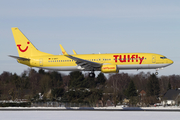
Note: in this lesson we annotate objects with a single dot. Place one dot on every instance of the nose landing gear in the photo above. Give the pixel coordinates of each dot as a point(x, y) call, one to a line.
point(156, 73)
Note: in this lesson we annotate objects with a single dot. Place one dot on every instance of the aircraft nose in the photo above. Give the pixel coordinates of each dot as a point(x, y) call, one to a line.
point(170, 61)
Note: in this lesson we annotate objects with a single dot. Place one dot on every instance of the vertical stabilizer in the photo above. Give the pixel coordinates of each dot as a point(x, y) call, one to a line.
point(24, 47)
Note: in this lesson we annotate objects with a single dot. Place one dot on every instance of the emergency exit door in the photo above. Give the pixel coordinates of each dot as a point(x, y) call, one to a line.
point(153, 59)
point(41, 62)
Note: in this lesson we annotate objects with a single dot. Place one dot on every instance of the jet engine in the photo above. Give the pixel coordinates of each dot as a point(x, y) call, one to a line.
point(109, 69)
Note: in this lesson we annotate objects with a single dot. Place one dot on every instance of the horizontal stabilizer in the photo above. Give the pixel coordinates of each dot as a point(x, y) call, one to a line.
point(19, 58)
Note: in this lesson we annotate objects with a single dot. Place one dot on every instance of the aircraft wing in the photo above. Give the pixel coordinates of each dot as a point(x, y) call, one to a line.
point(84, 63)
point(19, 58)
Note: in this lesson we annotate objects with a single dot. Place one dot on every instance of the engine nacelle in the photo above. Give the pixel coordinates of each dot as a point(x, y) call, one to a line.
point(109, 69)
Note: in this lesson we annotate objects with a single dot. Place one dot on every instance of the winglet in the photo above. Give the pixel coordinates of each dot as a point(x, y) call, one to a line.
point(63, 50)
point(74, 52)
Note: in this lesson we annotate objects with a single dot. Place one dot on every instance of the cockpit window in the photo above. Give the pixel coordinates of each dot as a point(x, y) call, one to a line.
point(163, 57)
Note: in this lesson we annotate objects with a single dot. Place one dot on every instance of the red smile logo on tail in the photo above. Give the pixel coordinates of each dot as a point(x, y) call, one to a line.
point(19, 46)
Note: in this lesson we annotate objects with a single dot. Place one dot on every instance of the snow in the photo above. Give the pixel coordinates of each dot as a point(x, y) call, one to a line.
point(88, 115)
point(120, 108)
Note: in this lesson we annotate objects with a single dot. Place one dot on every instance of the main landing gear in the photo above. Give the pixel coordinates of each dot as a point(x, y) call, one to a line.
point(92, 75)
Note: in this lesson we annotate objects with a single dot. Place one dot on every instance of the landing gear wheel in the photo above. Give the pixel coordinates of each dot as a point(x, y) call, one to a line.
point(91, 75)
point(156, 73)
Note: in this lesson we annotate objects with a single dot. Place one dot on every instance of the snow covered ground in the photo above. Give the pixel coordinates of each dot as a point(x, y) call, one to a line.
point(88, 115)
point(118, 108)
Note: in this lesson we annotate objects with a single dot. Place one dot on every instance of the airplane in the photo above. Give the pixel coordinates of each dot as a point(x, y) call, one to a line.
point(106, 63)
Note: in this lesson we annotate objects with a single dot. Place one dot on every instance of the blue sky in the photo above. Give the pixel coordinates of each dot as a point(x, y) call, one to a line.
point(92, 26)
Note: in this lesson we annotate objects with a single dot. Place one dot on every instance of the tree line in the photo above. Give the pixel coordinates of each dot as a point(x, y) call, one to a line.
point(79, 88)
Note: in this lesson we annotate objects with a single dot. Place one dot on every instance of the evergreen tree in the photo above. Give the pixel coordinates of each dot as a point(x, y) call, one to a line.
point(56, 79)
point(57, 92)
point(131, 91)
point(101, 79)
point(76, 79)
point(169, 85)
point(41, 71)
point(89, 82)
point(153, 88)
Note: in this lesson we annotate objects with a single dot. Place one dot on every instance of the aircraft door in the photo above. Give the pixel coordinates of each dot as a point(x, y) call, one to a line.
point(153, 59)
point(41, 62)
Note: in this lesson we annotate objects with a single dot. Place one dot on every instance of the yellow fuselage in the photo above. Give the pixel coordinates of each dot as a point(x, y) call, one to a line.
point(122, 60)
